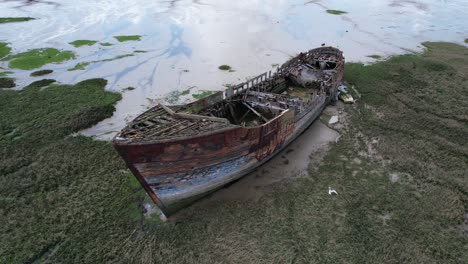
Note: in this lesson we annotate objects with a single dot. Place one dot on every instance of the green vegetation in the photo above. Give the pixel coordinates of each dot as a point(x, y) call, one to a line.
point(5, 73)
point(6, 82)
point(4, 49)
point(106, 44)
point(14, 19)
point(224, 67)
point(41, 83)
point(140, 51)
point(128, 38)
point(336, 12)
point(36, 58)
point(399, 168)
point(375, 56)
point(41, 73)
point(130, 88)
point(274, 65)
point(84, 64)
point(203, 94)
point(80, 66)
point(466, 40)
point(83, 42)
point(52, 184)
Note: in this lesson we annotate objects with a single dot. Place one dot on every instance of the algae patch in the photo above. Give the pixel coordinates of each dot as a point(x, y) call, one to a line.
point(80, 66)
point(375, 56)
point(128, 38)
point(14, 19)
point(41, 83)
point(36, 58)
point(225, 67)
point(40, 73)
point(82, 42)
point(5, 73)
point(336, 12)
point(4, 49)
point(106, 44)
point(84, 64)
point(6, 82)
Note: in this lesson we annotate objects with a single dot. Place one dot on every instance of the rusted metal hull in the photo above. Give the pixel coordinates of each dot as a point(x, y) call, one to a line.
point(213, 161)
point(175, 171)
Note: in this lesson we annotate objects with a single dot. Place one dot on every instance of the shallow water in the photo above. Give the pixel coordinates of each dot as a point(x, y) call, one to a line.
point(187, 40)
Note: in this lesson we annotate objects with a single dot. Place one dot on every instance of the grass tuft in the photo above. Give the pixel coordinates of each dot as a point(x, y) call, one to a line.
point(40, 73)
point(224, 67)
point(128, 38)
point(375, 56)
point(4, 49)
point(36, 58)
point(40, 83)
point(6, 82)
point(14, 19)
point(82, 42)
point(336, 12)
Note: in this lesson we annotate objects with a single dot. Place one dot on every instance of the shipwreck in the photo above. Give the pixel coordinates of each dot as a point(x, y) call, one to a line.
point(181, 153)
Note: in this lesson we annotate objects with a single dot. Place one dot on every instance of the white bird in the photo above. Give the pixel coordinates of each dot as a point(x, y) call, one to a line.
point(332, 191)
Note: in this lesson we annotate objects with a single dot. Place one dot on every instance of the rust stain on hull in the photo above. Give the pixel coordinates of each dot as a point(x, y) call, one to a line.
point(181, 153)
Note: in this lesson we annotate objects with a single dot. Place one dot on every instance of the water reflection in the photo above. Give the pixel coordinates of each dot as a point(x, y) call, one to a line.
point(185, 41)
point(23, 3)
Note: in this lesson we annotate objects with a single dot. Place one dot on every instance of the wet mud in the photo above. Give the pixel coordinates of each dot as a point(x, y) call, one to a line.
point(184, 49)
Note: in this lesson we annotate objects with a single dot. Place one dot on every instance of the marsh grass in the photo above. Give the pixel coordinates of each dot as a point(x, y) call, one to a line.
point(4, 49)
point(375, 56)
point(7, 82)
point(36, 58)
point(336, 12)
point(225, 67)
point(40, 73)
point(82, 65)
point(128, 38)
point(399, 167)
point(14, 19)
point(5, 73)
point(82, 42)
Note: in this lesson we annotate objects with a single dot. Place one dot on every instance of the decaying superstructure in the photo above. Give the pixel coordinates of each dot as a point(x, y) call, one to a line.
point(181, 153)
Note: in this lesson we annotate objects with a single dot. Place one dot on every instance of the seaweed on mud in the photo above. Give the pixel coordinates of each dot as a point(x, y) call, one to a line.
point(36, 58)
point(4, 49)
point(82, 42)
point(6, 82)
point(128, 38)
point(224, 67)
point(40, 73)
point(4, 20)
point(41, 83)
point(336, 12)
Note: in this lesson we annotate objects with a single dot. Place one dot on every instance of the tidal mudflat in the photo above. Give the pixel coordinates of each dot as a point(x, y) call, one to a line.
point(399, 164)
point(399, 168)
point(185, 49)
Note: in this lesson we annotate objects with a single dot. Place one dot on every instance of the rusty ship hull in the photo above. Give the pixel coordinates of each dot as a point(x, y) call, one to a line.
point(182, 153)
